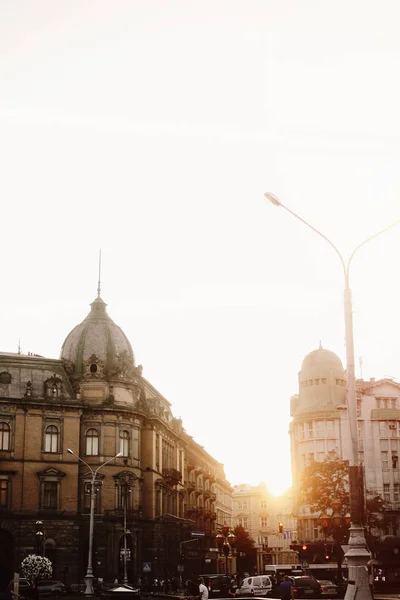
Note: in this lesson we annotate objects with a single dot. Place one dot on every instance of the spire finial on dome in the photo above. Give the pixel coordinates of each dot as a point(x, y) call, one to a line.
point(99, 282)
point(320, 345)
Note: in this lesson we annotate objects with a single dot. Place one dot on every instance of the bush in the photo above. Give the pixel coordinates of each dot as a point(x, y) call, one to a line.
point(36, 567)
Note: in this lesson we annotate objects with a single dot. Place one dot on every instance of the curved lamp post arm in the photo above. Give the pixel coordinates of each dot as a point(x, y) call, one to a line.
point(274, 200)
point(81, 460)
point(371, 237)
point(106, 463)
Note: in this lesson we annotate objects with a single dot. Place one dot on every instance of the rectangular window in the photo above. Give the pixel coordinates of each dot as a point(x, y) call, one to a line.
point(157, 451)
point(240, 522)
point(263, 504)
point(263, 521)
point(240, 505)
point(384, 445)
point(308, 430)
point(320, 429)
point(386, 492)
point(245, 522)
point(330, 431)
point(396, 492)
point(50, 494)
point(136, 443)
point(244, 504)
point(4, 493)
point(4, 436)
point(383, 429)
point(385, 460)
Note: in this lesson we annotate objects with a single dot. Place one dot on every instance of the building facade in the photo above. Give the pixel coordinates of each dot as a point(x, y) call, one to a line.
point(269, 520)
point(320, 427)
point(95, 402)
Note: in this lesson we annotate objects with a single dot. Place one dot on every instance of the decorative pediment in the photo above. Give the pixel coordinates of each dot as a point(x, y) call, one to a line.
point(51, 473)
point(126, 477)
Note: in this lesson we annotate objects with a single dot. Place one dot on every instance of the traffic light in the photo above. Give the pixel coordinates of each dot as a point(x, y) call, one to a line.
point(182, 556)
point(280, 527)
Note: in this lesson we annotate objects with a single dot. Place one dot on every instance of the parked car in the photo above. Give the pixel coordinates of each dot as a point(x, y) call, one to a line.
point(27, 588)
point(305, 586)
point(328, 588)
point(218, 585)
point(51, 588)
point(258, 585)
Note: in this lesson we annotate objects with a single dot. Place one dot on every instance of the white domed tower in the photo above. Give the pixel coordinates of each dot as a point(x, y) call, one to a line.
point(322, 383)
point(99, 359)
point(319, 424)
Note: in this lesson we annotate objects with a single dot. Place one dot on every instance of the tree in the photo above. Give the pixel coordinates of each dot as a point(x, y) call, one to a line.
point(36, 567)
point(245, 551)
point(324, 487)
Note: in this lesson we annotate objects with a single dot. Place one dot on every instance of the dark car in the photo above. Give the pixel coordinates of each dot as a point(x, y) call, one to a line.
point(27, 588)
point(51, 588)
point(218, 585)
point(305, 586)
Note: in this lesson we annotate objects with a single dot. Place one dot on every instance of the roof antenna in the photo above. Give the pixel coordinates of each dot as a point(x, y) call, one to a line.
point(320, 345)
point(19, 345)
point(99, 282)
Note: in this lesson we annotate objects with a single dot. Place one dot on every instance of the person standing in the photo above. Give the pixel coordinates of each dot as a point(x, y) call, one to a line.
point(286, 589)
point(203, 590)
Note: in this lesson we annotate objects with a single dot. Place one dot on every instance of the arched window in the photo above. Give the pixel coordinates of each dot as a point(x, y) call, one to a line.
point(4, 436)
point(124, 443)
point(51, 439)
point(92, 442)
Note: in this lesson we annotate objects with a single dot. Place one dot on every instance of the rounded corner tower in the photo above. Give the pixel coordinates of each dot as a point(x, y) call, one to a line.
point(322, 382)
point(98, 357)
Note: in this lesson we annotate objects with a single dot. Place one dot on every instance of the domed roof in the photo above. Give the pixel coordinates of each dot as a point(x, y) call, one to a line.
point(98, 348)
point(321, 360)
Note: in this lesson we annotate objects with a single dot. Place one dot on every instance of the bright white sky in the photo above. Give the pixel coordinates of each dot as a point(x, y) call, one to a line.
point(152, 129)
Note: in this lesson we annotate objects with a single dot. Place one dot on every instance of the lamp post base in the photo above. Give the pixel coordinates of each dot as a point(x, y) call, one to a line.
point(358, 556)
point(89, 585)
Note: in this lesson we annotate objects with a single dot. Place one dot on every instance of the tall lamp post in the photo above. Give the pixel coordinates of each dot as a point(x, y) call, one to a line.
point(126, 491)
point(225, 541)
point(358, 553)
point(40, 538)
point(89, 572)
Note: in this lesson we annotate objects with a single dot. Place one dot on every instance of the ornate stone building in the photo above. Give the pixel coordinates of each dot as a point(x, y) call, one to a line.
point(262, 516)
point(95, 401)
point(320, 426)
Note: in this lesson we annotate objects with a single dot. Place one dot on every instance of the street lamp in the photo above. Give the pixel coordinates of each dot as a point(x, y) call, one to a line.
point(89, 572)
point(40, 538)
point(225, 542)
point(358, 553)
point(126, 491)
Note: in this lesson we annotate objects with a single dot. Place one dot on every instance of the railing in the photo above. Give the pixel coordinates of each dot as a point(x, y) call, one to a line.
point(172, 475)
point(119, 512)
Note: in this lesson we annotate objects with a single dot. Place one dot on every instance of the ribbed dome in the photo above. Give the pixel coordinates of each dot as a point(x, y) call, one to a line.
point(98, 348)
point(321, 360)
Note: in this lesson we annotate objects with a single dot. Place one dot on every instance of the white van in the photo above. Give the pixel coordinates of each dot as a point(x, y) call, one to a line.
point(258, 585)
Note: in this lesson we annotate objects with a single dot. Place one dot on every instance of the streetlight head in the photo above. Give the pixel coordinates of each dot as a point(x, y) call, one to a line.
point(69, 451)
point(119, 454)
point(272, 198)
